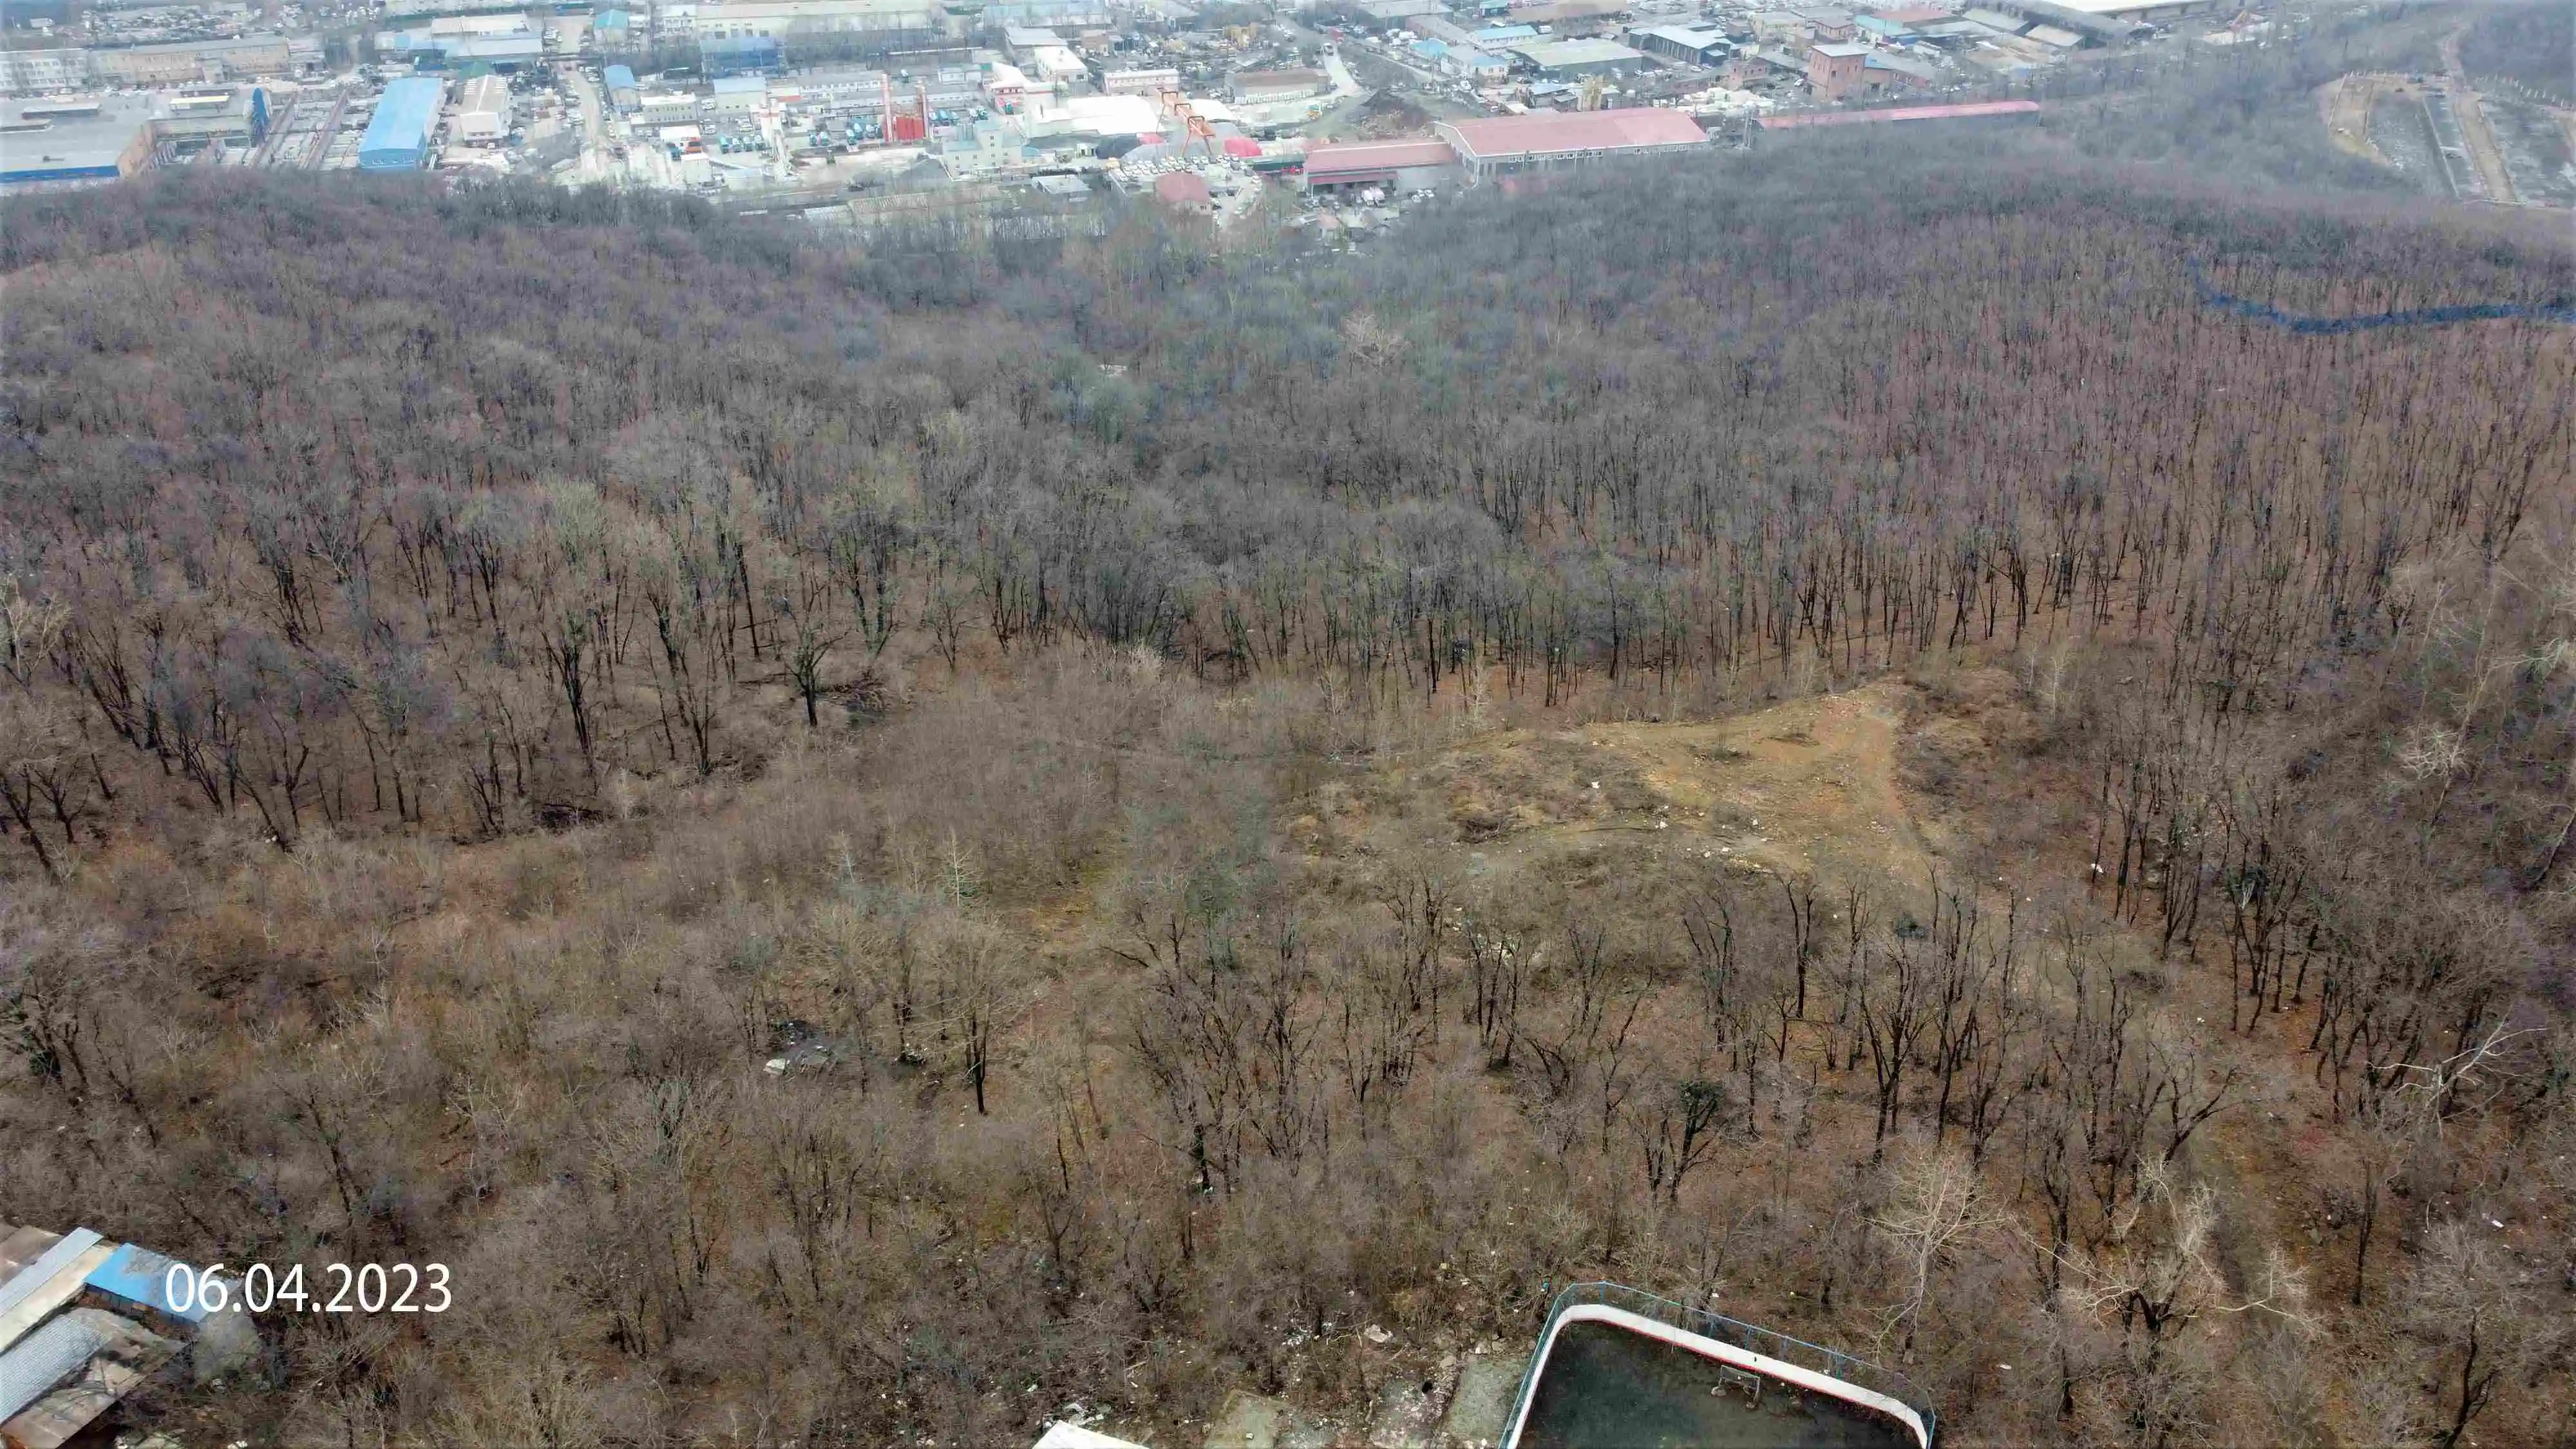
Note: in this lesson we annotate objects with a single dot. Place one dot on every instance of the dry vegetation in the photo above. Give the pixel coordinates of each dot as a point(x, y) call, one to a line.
point(1853, 755)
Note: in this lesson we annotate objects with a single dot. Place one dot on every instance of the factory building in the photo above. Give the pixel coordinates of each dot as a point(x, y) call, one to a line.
point(188, 120)
point(1394, 165)
point(1141, 82)
point(482, 114)
point(622, 92)
point(42, 72)
point(1565, 60)
point(397, 139)
point(1504, 145)
point(1689, 44)
point(192, 62)
point(504, 42)
point(57, 143)
point(1835, 73)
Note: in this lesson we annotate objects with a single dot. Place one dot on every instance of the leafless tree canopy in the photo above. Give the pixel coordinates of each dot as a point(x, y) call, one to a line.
point(822, 822)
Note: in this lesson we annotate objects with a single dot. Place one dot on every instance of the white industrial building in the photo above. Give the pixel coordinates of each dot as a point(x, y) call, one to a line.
point(774, 19)
point(482, 114)
point(1151, 82)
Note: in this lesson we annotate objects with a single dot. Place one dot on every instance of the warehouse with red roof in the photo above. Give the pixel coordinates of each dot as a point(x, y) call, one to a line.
point(1501, 145)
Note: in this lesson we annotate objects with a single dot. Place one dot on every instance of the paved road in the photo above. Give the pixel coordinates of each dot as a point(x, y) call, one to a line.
point(594, 139)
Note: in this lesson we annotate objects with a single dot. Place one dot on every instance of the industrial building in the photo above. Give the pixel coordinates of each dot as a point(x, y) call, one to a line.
point(47, 144)
point(1503, 145)
point(482, 114)
point(1574, 59)
point(1689, 44)
point(42, 72)
point(192, 62)
point(1263, 87)
point(1835, 73)
point(188, 120)
point(86, 140)
point(1141, 82)
point(397, 139)
point(453, 41)
point(737, 95)
point(622, 92)
point(1395, 165)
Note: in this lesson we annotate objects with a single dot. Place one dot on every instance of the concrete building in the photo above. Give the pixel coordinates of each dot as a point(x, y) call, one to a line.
point(1056, 65)
point(737, 95)
point(1141, 82)
point(482, 114)
point(1826, 23)
point(1689, 44)
point(397, 139)
point(1503, 145)
point(46, 144)
point(1395, 165)
point(191, 62)
point(1835, 72)
point(1264, 87)
point(187, 120)
point(666, 108)
point(1565, 60)
point(42, 72)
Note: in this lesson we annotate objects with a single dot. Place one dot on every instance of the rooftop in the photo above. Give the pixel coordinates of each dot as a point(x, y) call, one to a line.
point(1548, 54)
point(1505, 137)
point(84, 1322)
point(1324, 162)
point(1964, 111)
point(68, 135)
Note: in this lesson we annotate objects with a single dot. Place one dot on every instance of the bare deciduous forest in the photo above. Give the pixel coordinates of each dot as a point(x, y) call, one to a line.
point(1808, 731)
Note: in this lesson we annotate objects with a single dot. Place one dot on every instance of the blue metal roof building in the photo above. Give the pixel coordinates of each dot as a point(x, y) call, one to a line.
point(398, 138)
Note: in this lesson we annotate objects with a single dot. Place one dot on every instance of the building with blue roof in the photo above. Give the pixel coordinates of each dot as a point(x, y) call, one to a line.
point(623, 94)
point(398, 138)
point(1505, 34)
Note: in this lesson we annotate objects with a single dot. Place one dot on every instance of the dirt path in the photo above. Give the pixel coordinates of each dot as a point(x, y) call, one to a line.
point(2343, 104)
point(2473, 124)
